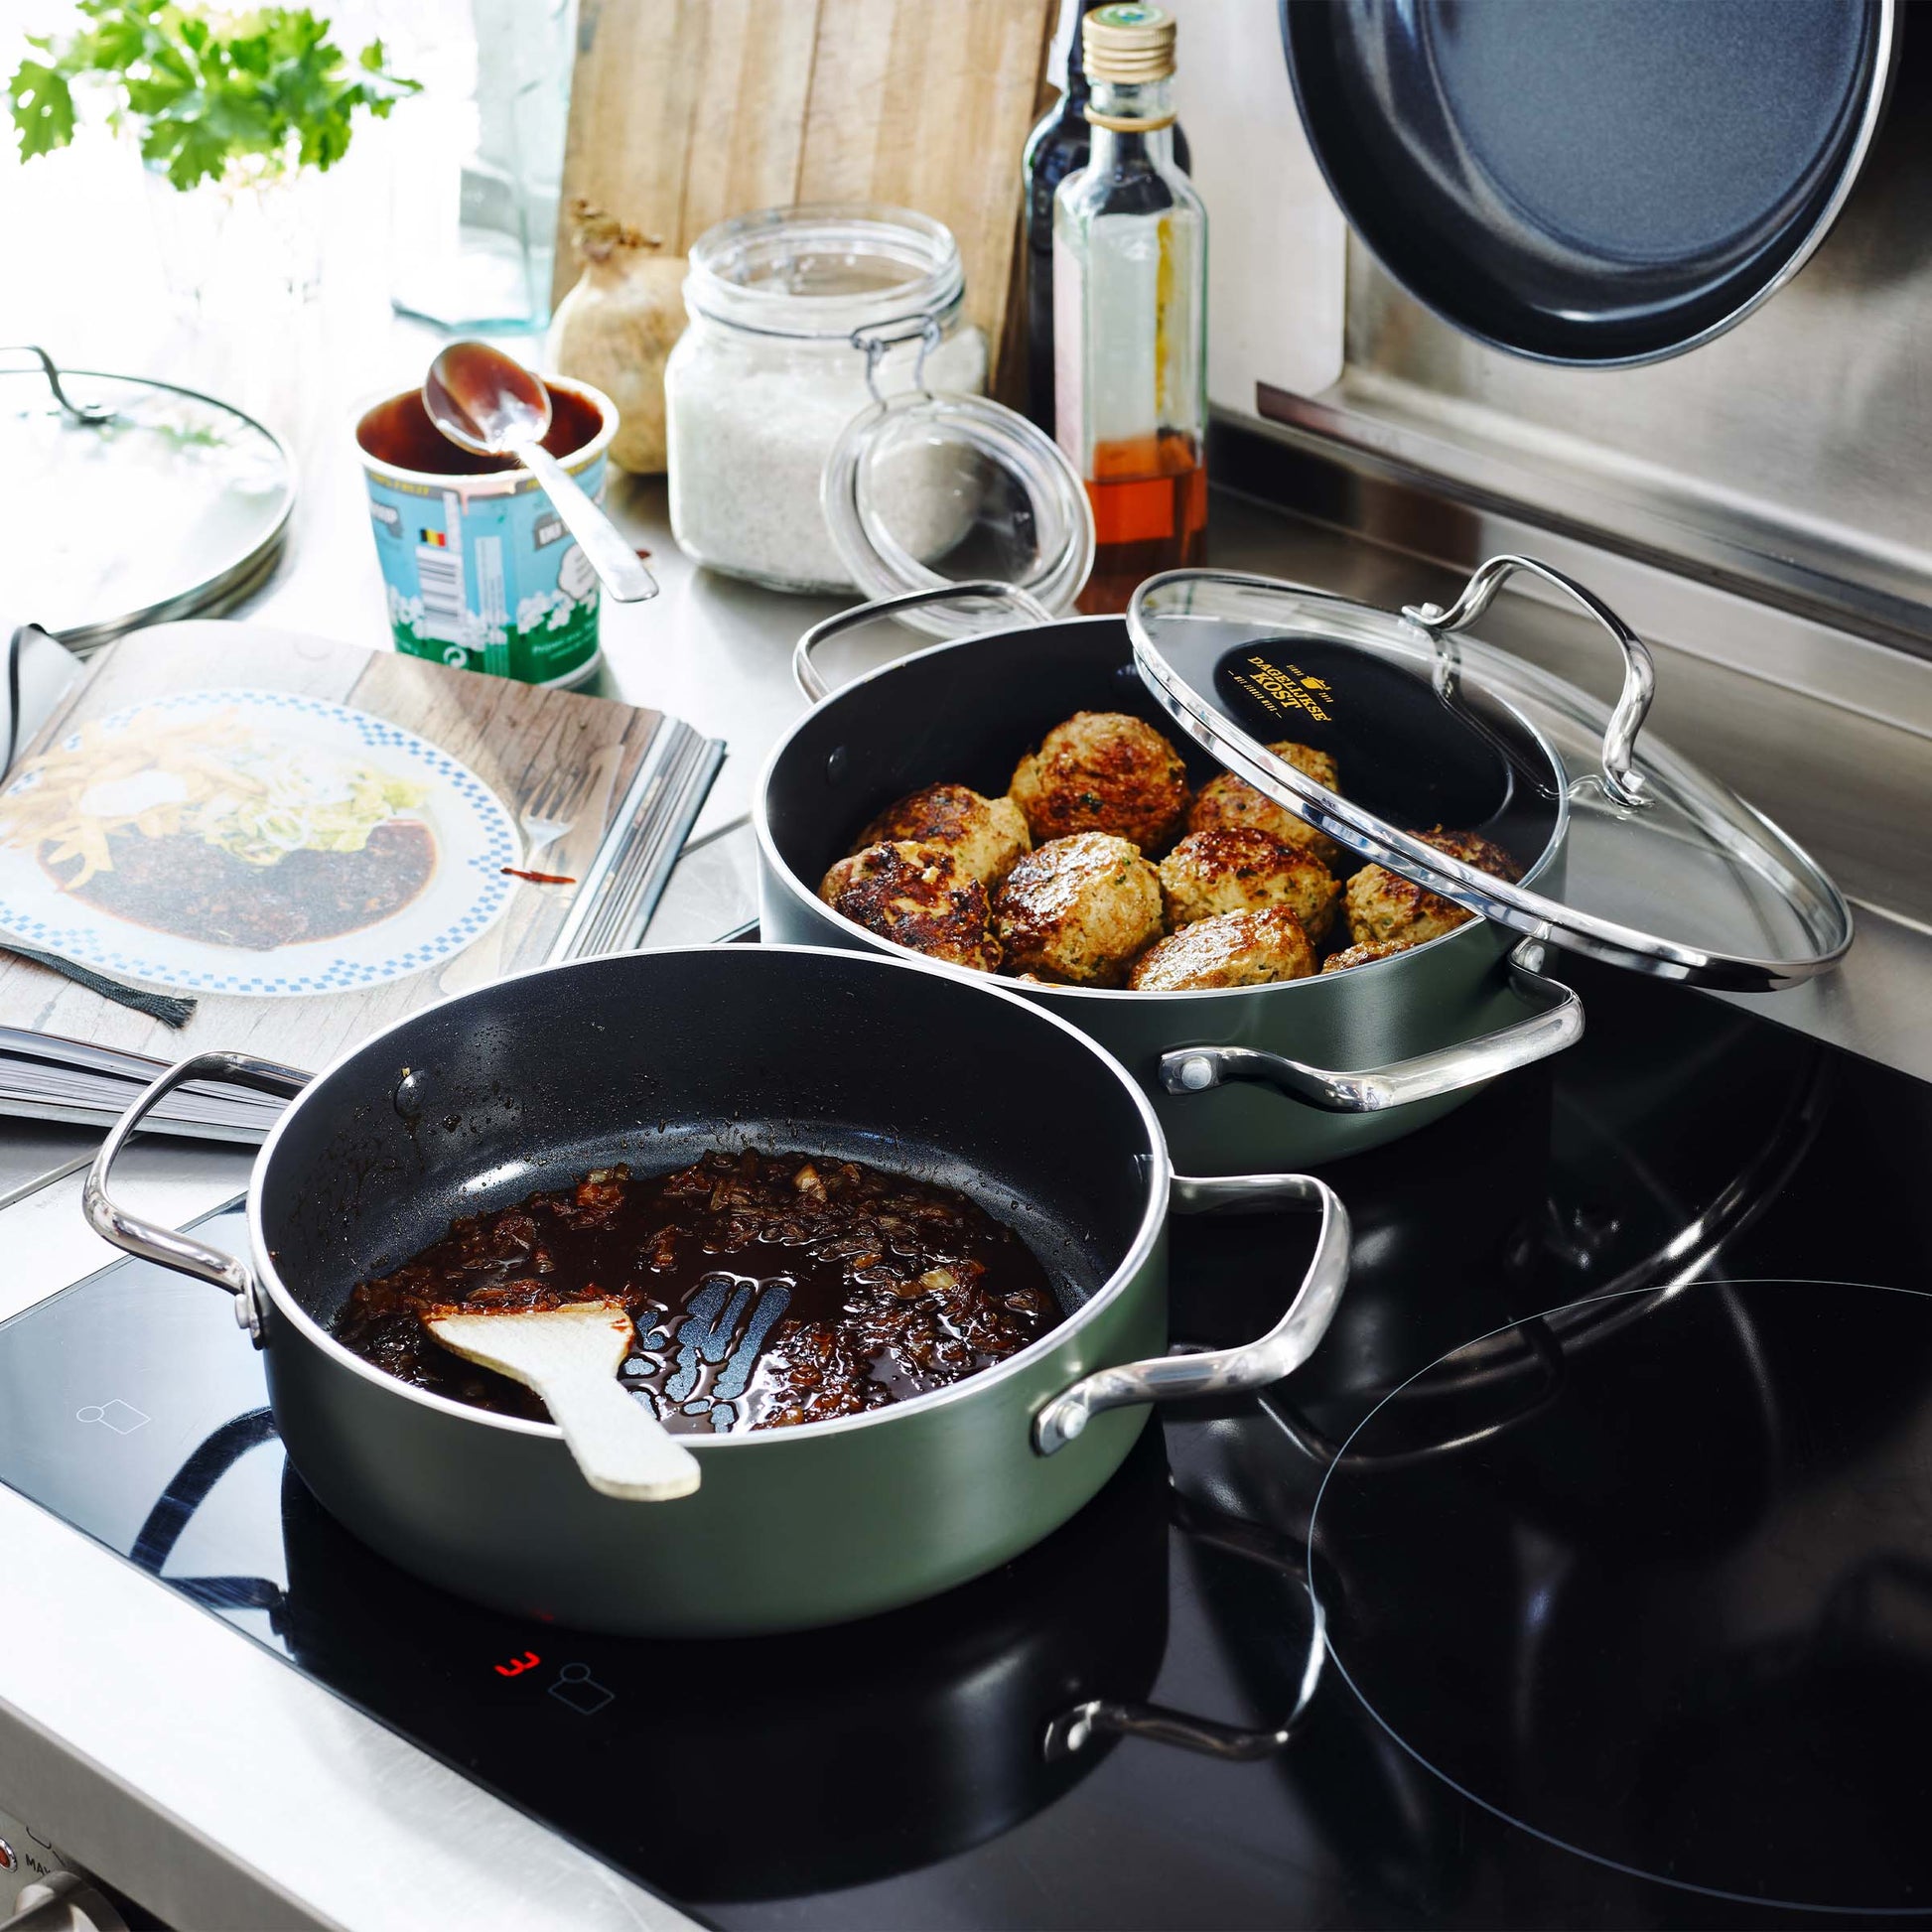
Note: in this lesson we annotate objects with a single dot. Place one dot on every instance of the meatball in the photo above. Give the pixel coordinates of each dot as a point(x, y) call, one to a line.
point(984, 835)
point(1382, 905)
point(1230, 949)
point(1077, 910)
point(1483, 854)
point(1228, 802)
point(1102, 772)
point(1366, 955)
point(915, 895)
point(1317, 766)
point(1242, 869)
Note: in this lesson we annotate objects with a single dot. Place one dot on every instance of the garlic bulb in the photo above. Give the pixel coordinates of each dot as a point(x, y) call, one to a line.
point(615, 329)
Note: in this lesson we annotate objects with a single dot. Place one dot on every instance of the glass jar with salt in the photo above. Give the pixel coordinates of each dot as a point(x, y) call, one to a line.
point(801, 320)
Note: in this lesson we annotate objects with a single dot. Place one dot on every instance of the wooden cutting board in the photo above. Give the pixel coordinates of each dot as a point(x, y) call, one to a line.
point(686, 111)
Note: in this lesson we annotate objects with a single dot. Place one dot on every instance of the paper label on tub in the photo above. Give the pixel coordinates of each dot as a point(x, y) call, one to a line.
point(491, 582)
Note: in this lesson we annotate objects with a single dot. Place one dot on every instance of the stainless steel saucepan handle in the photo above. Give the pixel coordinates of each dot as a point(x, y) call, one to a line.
point(1639, 674)
point(1369, 1089)
point(1221, 1371)
point(171, 1246)
point(805, 674)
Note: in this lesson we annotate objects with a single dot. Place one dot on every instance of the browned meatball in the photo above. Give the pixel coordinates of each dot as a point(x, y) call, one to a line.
point(1078, 909)
point(1102, 772)
point(1231, 949)
point(1382, 905)
point(1305, 757)
point(984, 835)
point(915, 895)
point(1341, 962)
point(1226, 802)
point(1474, 850)
point(1242, 869)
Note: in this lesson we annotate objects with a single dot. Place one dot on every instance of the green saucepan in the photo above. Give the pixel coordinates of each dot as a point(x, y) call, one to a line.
point(653, 1058)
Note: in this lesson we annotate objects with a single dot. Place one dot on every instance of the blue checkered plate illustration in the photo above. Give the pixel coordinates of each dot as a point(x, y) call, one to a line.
point(254, 842)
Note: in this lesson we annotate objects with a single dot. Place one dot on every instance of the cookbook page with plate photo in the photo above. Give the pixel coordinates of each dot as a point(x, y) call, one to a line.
point(309, 840)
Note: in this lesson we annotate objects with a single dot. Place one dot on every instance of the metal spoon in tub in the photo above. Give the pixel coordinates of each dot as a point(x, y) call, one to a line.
point(490, 404)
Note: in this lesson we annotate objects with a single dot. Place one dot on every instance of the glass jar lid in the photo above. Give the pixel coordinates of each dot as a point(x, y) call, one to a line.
point(1661, 868)
point(926, 490)
point(820, 270)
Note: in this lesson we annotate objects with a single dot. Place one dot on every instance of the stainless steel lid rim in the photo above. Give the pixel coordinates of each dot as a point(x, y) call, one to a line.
point(1666, 800)
point(1389, 845)
point(1403, 852)
point(250, 558)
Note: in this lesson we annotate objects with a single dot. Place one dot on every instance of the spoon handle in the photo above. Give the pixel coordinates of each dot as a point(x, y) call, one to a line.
point(614, 560)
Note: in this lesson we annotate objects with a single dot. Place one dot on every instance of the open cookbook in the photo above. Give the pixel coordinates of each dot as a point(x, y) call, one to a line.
point(309, 840)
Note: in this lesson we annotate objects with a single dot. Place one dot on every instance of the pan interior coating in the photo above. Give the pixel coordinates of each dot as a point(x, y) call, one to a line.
point(657, 1059)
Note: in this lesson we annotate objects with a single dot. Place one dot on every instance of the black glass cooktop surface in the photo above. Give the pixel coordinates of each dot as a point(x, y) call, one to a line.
point(1614, 1480)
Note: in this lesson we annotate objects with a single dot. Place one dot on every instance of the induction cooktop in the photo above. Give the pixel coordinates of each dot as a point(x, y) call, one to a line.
point(1584, 1577)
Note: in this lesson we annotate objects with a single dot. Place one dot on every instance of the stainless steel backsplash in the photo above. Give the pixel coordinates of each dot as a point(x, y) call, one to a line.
point(1790, 460)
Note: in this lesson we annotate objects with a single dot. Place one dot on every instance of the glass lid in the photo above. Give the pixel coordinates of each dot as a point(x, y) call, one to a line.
point(930, 488)
point(1650, 864)
point(126, 500)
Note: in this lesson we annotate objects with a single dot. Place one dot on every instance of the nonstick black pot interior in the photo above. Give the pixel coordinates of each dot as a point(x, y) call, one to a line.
point(963, 716)
point(655, 1058)
point(967, 714)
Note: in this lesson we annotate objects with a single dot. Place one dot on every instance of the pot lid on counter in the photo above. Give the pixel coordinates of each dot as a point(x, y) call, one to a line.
point(127, 501)
point(1664, 870)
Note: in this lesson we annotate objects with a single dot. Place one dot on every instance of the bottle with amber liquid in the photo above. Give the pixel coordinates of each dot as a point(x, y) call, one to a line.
point(1130, 313)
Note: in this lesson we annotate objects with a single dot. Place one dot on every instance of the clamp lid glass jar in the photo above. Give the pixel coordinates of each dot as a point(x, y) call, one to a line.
point(799, 317)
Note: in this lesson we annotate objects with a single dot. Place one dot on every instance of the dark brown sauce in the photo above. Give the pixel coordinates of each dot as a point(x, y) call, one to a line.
point(766, 1289)
point(180, 883)
point(399, 432)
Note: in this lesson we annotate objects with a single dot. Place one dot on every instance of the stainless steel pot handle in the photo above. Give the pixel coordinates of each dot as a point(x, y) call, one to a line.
point(1368, 1090)
point(171, 1246)
point(1072, 1730)
point(805, 674)
point(1221, 1371)
point(1639, 674)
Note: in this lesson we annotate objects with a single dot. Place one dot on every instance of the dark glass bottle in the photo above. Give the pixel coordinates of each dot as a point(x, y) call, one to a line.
point(1059, 146)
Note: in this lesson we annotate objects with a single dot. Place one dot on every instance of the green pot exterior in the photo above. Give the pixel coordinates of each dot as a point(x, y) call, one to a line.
point(1412, 1004)
point(964, 709)
point(790, 1528)
point(1453, 990)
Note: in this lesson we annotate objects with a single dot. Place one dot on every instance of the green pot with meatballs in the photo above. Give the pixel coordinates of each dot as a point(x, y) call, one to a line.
point(1295, 860)
point(1017, 805)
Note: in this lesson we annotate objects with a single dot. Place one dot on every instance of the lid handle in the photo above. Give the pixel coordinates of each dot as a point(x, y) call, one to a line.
point(1639, 674)
point(90, 414)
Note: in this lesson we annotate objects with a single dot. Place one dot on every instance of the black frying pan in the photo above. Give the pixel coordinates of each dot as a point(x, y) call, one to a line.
point(1595, 182)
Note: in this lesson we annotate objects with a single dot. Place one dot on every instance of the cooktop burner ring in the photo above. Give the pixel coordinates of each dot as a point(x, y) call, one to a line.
point(1327, 1579)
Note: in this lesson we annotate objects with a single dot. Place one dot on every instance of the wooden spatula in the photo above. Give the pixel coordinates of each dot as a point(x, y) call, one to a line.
point(570, 1357)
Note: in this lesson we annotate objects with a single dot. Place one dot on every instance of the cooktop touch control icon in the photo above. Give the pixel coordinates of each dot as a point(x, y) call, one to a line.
point(576, 1687)
point(121, 1417)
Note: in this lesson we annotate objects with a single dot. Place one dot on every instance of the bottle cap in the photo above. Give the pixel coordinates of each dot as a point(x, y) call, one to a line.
point(1128, 43)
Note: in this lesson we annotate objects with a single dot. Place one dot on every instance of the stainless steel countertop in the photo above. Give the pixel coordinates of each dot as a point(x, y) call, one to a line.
point(266, 1800)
